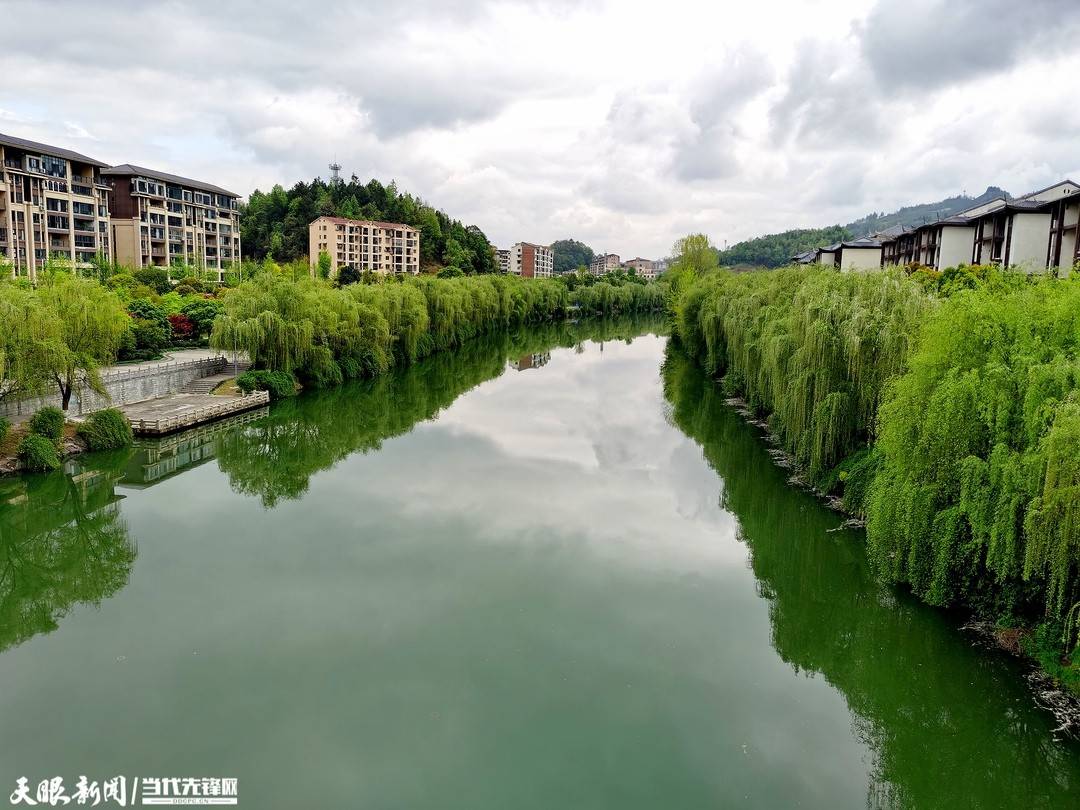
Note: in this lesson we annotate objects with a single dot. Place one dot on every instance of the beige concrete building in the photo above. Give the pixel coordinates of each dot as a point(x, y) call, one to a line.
point(382, 247)
point(645, 268)
point(53, 204)
point(852, 255)
point(164, 220)
point(603, 264)
point(531, 261)
point(502, 260)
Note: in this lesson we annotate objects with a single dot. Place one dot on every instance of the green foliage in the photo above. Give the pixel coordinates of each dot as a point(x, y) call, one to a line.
point(106, 430)
point(156, 278)
point(980, 447)
point(276, 223)
point(5, 428)
point(38, 454)
point(569, 254)
point(450, 272)
point(48, 422)
point(324, 265)
point(92, 323)
point(29, 337)
point(325, 334)
point(347, 274)
point(280, 384)
point(202, 312)
point(776, 249)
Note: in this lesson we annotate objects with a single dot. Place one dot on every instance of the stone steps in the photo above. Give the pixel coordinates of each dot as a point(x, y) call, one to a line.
point(204, 385)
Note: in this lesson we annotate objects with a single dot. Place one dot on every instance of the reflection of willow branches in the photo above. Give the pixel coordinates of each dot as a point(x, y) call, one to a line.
point(911, 681)
point(275, 457)
point(62, 543)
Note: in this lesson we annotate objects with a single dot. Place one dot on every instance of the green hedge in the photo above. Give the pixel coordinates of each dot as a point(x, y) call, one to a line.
point(38, 453)
point(280, 384)
point(48, 422)
point(106, 430)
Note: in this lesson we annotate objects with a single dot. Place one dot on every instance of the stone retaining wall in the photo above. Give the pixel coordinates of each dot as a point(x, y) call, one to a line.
point(124, 386)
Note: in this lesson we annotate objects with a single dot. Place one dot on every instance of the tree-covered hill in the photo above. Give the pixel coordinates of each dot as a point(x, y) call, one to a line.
point(276, 223)
point(776, 249)
point(913, 215)
point(570, 254)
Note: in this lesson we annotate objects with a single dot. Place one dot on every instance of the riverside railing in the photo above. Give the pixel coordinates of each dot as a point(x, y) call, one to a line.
point(197, 416)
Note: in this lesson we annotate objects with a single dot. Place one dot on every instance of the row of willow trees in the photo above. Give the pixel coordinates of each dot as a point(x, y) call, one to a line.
point(947, 415)
point(325, 334)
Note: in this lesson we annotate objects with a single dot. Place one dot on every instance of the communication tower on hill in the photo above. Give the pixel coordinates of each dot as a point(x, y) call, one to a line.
point(335, 172)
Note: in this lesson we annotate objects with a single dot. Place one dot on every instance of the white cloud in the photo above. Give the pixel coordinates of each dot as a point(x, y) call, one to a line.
point(620, 124)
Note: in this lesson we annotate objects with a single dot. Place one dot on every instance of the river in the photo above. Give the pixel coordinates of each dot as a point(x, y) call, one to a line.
point(549, 569)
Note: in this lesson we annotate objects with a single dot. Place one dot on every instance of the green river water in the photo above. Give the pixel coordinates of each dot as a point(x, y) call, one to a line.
point(548, 570)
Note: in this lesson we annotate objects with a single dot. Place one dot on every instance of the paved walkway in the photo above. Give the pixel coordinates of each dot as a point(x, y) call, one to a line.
point(176, 356)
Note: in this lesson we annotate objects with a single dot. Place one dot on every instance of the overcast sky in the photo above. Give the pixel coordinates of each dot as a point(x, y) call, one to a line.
point(623, 124)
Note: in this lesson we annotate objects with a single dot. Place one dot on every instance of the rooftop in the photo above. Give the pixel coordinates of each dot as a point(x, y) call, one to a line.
point(371, 222)
point(129, 169)
point(45, 149)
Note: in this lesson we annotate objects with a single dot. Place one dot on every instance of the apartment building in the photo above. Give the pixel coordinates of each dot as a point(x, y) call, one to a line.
point(644, 268)
point(53, 204)
point(383, 247)
point(1036, 231)
point(502, 260)
point(531, 261)
point(604, 264)
point(162, 219)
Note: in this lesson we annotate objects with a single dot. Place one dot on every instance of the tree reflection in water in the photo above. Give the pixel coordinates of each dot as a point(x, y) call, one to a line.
point(63, 543)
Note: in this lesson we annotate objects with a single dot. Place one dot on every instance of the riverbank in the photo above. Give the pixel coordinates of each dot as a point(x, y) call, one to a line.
point(944, 417)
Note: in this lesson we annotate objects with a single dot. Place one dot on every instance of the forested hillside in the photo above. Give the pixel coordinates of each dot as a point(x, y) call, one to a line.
point(277, 223)
point(570, 254)
point(776, 249)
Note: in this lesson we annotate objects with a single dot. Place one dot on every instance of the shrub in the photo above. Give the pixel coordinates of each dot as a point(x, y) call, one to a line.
point(5, 428)
point(38, 454)
point(48, 422)
point(183, 330)
point(156, 278)
point(106, 430)
point(280, 384)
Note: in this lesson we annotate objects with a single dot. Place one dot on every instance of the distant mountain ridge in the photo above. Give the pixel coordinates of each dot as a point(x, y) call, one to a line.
point(913, 215)
point(776, 250)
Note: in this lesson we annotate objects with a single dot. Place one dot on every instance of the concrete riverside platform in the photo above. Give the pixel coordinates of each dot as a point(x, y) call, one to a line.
point(156, 417)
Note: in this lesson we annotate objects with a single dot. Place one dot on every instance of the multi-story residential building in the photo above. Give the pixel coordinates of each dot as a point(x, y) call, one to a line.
point(645, 268)
point(383, 247)
point(531, 261)
point(604, 264)
point(528, 361)
point(162, 219)
point(53, 204)
point(1036, 231)
point(502, 260)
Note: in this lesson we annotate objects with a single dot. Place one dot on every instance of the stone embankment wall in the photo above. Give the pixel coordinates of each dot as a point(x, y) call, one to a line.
point(123, 385)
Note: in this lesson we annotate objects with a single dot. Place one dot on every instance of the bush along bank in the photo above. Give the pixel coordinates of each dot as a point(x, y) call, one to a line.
point(945, 414)
point(325, 334)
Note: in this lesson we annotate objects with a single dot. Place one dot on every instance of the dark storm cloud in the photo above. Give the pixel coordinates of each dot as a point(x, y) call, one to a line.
point(934, 43)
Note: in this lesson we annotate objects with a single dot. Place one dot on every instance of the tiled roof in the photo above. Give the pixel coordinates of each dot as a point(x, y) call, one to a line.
point(126, 169)
point(45, 149)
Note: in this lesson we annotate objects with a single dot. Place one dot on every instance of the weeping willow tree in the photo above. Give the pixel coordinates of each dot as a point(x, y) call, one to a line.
point(30, 336)
point(977, 499)
point(809, 349)
point(326, 334)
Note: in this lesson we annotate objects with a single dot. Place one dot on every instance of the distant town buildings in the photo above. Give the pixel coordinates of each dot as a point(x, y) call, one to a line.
point(53, 203)
point(645, 268)
point(528, 361)
point(605, 263)
point(163, 219)
point(1037, 231)
point(502, 260)
point(531, 261)
point(382, 247)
